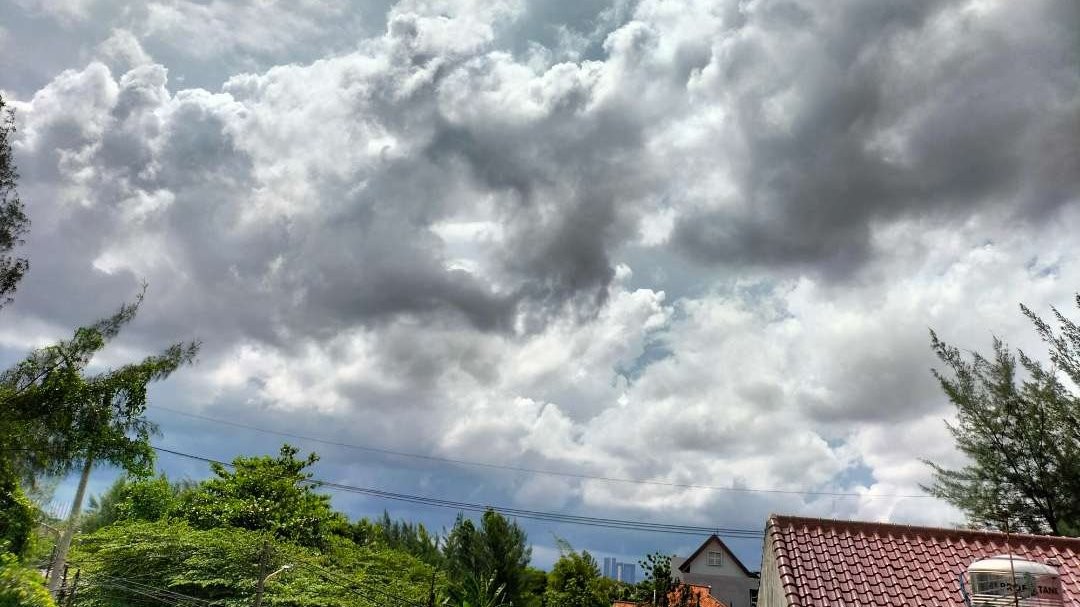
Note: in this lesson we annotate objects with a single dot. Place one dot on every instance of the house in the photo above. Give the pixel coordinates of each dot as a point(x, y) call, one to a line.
point(809, 562)
point(714, 566)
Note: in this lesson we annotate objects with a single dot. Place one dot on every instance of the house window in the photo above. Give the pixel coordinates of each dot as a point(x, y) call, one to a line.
point(715, 559)
point(753, 597)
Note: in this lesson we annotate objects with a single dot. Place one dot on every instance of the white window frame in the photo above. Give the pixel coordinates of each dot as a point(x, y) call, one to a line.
point(753, 597)
point(714, 558)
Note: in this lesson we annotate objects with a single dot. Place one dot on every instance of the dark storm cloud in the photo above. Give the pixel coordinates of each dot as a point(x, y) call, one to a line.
point(890, 110)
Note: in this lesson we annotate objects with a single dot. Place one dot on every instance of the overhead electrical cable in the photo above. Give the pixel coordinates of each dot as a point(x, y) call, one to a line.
point(554, 517)
point(578, 475)
point(163, 592)
point(157, 594)
point(357, 588)
point(347, 586)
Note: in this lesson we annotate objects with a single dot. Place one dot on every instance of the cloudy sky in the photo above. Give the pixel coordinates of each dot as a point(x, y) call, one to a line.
point(687, 241)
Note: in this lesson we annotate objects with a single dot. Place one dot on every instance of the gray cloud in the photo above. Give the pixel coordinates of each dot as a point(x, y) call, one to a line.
point(849, 114)
point(696, 242)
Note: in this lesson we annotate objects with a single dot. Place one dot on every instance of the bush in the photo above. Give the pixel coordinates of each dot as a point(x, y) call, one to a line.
point(20, 586)
point(16, 518)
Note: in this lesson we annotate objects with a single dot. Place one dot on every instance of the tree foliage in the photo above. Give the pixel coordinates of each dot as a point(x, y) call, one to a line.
point(477, 591)
point(134, 499)
point(17, 516)
point(21, 586)
point(660, 587)
point(54, 415)
point(13, 220)
point(496, 550)
point(264, 494)
point(403, 535)
point(575, 581)
point(221, 565)
point(1020, 435)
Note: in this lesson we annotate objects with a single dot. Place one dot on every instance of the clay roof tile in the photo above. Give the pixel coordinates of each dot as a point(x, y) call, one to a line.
point(824, 562)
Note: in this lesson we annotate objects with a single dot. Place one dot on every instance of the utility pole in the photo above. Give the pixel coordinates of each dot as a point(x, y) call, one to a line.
point(264, 557)
point(264, 564)
point(64, 544)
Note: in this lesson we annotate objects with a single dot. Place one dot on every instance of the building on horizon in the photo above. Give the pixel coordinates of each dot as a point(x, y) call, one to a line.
point(623, 572)
point(627, 573)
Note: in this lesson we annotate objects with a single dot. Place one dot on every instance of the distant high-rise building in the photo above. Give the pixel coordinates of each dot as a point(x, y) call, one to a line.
point(623, 572)
point(609, 567)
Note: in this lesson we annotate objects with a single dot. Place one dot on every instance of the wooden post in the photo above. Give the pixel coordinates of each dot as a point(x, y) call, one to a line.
point(61, 591)
point(74, 589)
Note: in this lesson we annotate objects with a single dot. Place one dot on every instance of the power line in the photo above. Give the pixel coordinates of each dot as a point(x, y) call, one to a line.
point(553, 517)
point(163, 595)
point(464, 462)
point(354, 587)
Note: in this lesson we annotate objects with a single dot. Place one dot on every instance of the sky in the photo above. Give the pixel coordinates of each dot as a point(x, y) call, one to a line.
point(682, 241)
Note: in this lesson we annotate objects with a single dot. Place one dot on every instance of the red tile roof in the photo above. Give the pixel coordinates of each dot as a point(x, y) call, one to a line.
point(823, 563)
point(701, 598)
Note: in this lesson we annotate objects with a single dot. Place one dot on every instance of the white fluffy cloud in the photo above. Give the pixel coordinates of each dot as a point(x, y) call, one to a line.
point(692, 242)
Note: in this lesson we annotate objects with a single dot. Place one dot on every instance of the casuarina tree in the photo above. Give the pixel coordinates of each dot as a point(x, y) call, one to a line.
point(1018, 423)
point(13, 220)
point(497, 550)
point(57, 417)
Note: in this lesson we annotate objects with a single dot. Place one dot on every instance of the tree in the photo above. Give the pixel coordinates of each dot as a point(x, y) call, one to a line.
point(13, 220)
point(575, 580)
point(21, 586)
point(533, 587)
point(660, 587)
point(221, 565)
point(265, 494)
point(133, 499)
point(405, 536)
point(497, 550)
point(477, 591)
point(1021, 436)
point(56, 417)
point(16, 516)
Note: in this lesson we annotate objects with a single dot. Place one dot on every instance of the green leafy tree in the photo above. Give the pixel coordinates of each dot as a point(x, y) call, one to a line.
point(496, 550)
point(56, 417)
point(17, 516)
point(1021, 434)
point(133, 499)
point(273, 494)
point(477, 591)
point(21, 586)
point(534, 586)
point(575, 580)
point(660, 587)
point(122, 563)
point(13, 220)
point(409, 537)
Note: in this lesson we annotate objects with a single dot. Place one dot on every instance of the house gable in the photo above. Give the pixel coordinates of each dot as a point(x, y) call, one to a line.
point(714, 558)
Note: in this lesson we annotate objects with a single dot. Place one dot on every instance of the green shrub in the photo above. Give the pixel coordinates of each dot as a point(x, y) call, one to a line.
point(16, 518)
point(21, 586)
